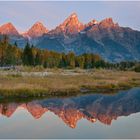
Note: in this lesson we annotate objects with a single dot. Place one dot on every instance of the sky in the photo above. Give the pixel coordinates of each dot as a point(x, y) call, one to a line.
point(51, 13)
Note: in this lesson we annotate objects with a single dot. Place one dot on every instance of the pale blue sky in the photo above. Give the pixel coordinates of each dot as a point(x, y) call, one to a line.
point(24, 14)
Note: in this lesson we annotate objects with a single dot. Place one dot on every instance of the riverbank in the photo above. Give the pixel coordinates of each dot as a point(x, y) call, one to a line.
point(58, 82)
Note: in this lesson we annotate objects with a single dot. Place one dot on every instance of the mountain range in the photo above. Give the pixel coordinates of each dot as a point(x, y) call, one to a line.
point(106, 38)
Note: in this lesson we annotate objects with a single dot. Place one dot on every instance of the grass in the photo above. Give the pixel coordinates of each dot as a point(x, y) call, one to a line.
point(65, 82)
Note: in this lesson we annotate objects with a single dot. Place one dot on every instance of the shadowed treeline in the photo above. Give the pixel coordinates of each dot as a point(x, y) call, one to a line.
point(33, 56)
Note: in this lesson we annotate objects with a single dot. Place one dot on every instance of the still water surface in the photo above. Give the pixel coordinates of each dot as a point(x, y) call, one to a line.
point(86, 116)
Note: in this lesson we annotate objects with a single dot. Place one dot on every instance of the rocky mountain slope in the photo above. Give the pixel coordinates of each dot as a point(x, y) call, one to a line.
point(37, 30)
point(106, 38)
point(14, 36)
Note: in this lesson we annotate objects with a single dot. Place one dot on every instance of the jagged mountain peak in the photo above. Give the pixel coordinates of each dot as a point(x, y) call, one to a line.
point(71, 21)
point(108, 22)
point(91, 23)
point(38, 24)
point(70, 26)
point(37, 30)
point(8, 29)
point(73, 15)
point(8, 24)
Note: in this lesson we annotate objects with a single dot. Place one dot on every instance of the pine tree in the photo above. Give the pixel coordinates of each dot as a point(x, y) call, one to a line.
point(71, 59)
point(80, 60)
point(15, 44)
point(38, 58)
point(28, 58)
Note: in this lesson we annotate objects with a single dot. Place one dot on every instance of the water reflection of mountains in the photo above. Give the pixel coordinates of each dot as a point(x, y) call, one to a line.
point(103, 108)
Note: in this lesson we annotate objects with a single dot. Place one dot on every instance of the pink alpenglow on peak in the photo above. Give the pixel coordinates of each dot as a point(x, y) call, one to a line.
point(108, 22)
point(70, 26)
point(91, 23)
point(37, 30)
point(8, 29)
